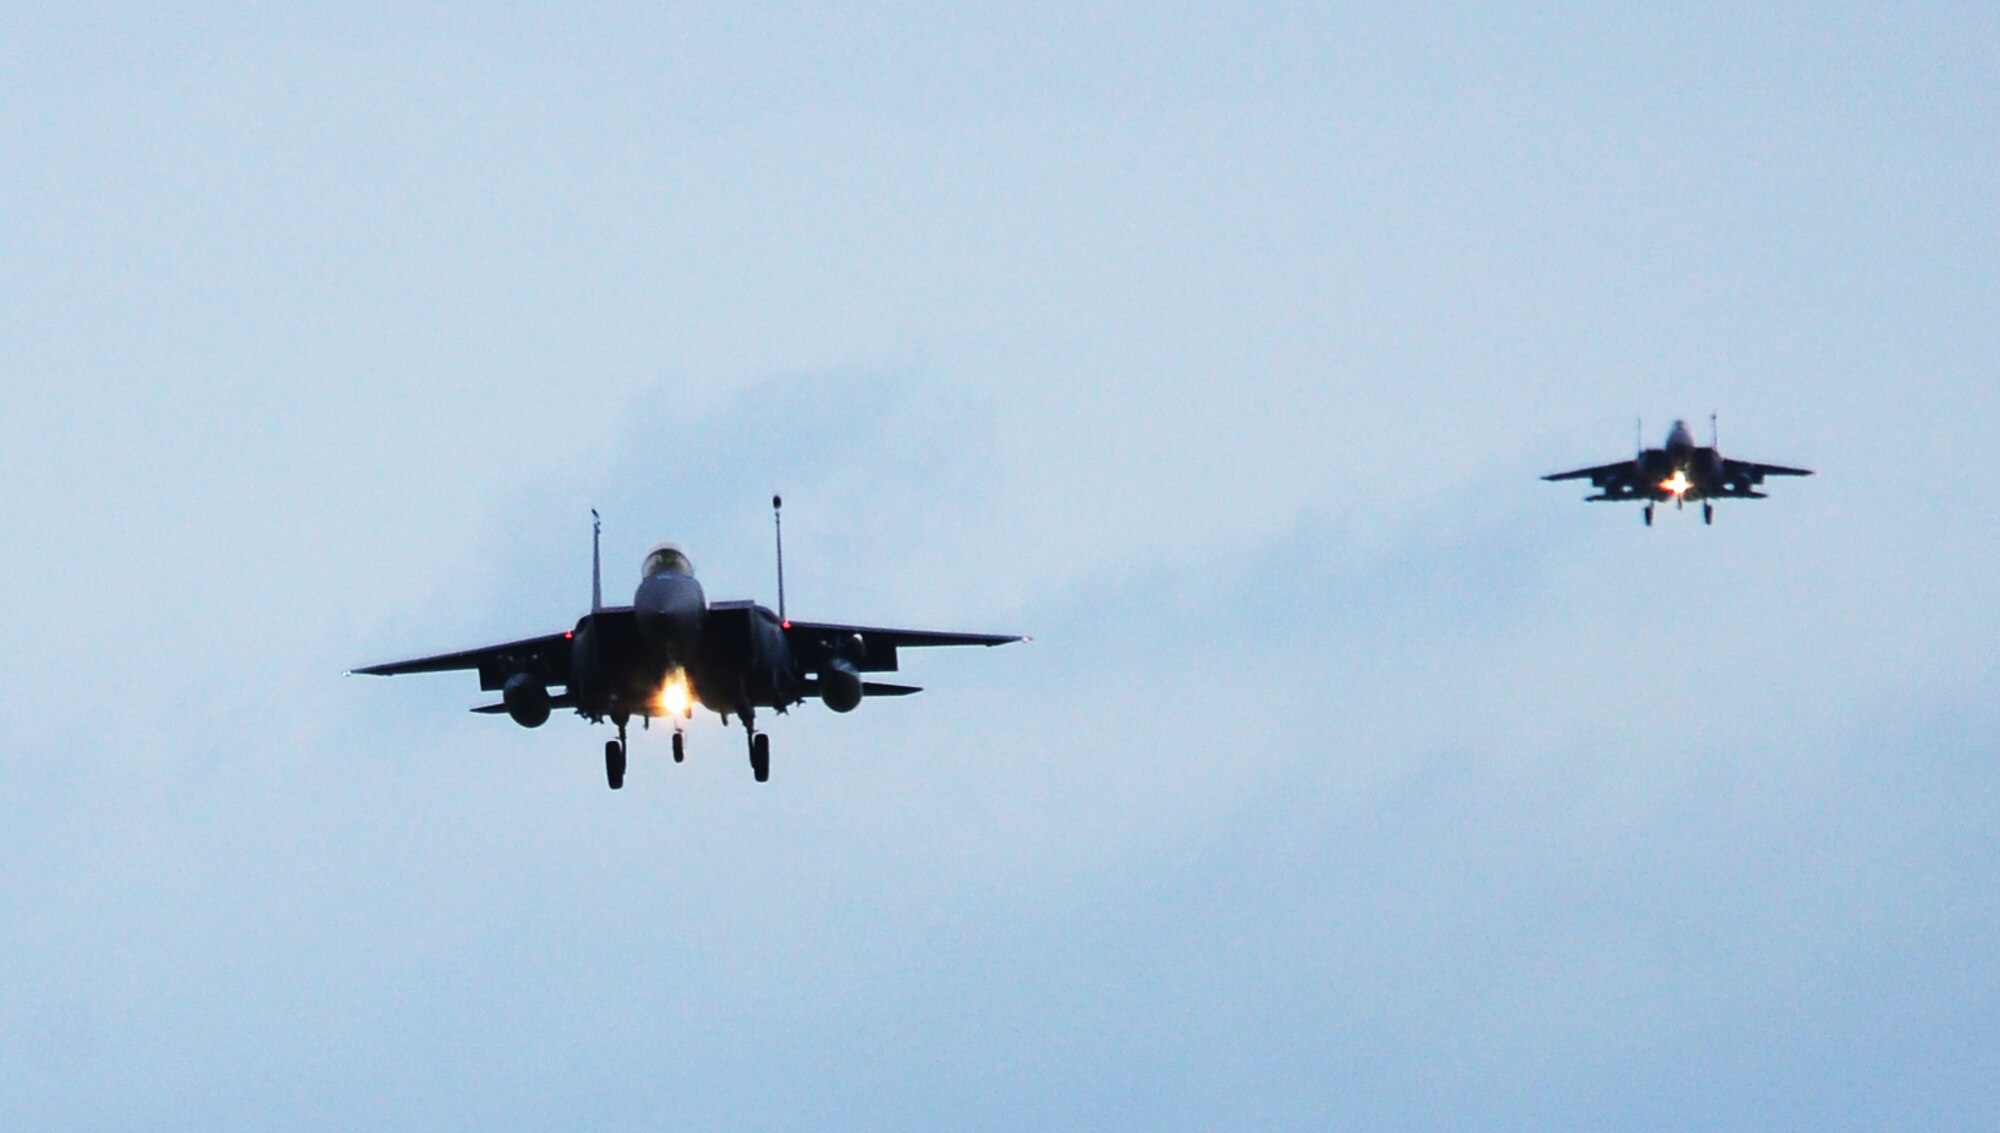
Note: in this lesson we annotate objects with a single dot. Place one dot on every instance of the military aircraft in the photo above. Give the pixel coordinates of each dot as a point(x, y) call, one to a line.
point(1680, 472)
point(672, 648)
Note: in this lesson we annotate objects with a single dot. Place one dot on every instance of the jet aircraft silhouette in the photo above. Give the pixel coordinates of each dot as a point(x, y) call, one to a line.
point(672, 649)
point(1681, 471)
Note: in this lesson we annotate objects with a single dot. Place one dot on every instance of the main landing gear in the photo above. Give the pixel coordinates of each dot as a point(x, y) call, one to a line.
point(1649, 515)
point(1707, 512)
point(614, 758)
point(760, 745)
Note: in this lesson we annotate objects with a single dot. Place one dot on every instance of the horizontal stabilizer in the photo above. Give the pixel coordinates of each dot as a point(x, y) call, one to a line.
point(810, 687)
point(556, 700)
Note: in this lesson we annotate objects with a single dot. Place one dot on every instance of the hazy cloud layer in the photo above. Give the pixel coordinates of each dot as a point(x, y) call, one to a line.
point(1353, 777)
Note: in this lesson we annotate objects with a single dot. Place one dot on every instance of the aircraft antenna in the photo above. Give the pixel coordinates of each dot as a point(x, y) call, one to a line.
point(778, 521)
point(596, 563)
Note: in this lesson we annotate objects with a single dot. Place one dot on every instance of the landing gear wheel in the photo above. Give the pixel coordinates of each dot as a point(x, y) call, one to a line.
point(1708, 513)
point(614, 764)
point(680, 748)
point(760, 757)
point(1649, 515)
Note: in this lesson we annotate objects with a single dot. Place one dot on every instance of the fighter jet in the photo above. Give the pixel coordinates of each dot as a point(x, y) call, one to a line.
point(672, 649)
point(1680, 472)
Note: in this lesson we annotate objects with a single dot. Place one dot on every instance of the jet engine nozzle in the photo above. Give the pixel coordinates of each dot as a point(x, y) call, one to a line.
point(840, 686)
point(527, 700)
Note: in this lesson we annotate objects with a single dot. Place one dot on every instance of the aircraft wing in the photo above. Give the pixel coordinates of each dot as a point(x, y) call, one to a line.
point(813, 642)
point(1759, 471)
point(546, 657)
point(1602, 475)
point(1741, 477)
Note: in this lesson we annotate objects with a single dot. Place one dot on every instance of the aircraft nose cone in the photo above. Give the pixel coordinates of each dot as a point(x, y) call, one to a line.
point(670, 609)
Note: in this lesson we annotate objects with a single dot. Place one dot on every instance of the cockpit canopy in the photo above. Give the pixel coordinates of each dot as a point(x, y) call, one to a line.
point(667, 558)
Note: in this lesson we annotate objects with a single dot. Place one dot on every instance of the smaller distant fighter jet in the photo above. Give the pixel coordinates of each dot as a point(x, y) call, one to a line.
point(1680, 472)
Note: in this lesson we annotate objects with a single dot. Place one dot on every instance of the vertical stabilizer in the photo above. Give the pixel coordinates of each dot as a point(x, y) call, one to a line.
point(778, 520)
point(1714, 434)
point(596, 563)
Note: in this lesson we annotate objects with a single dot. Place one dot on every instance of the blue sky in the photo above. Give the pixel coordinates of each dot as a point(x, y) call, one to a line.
point(1354, 778)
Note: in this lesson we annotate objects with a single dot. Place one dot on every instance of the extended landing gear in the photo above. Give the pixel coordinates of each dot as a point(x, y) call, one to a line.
point(680, 746)
point(614, 763)
point(614, 759)
point(1707, 512)
point(1649, 515)
point(760, 744)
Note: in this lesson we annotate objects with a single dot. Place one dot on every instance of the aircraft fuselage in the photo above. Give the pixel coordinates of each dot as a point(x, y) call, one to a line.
point(1681, 470)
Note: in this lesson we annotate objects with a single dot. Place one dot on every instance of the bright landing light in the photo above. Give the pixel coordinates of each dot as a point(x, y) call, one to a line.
point(1678, 483)
point(674, 697)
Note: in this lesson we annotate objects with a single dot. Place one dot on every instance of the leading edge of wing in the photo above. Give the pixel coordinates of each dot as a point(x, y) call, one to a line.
point(904, 637)
point(469, 658)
